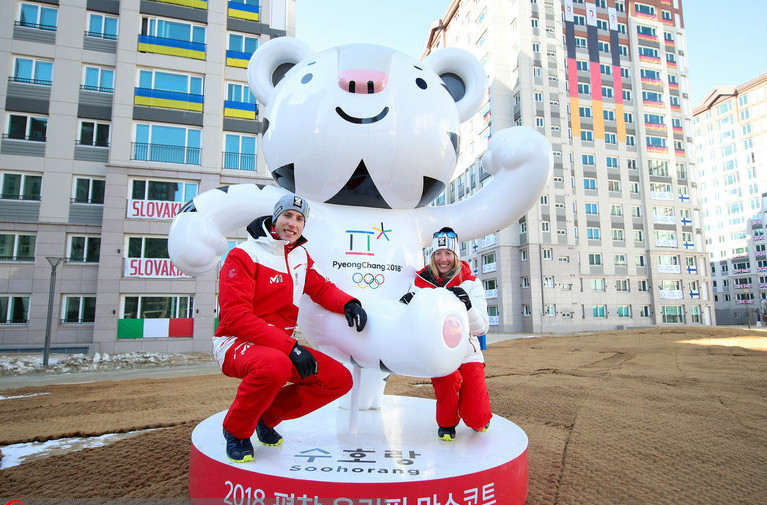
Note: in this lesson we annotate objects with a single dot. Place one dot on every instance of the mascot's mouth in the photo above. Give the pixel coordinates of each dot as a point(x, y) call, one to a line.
point(362, 120)
point(360, 190)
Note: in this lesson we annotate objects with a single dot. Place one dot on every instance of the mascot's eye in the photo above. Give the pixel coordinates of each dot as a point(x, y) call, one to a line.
point(306, 78)
point(420, 83)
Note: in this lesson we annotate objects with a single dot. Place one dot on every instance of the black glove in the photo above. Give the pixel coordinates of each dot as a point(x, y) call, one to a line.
point(462, 295)
point(406, 298)
point(303, 361)
point(355, 314)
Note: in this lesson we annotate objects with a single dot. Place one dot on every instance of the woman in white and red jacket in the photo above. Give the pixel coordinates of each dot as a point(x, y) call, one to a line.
point(260, 285)
point(463, 393)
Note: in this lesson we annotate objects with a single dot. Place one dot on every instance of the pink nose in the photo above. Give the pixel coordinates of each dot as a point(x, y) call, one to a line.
point(451, 331)
point(362, 81)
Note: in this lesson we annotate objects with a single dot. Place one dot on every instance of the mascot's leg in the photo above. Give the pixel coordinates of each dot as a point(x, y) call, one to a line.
point(368, 389)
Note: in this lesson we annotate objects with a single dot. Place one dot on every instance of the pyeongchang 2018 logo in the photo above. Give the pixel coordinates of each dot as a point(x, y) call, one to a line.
point(360, 241)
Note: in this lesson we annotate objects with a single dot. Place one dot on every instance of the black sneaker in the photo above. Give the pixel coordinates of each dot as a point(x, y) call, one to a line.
point(239, 450)
point(446, 434)
point(267, 436)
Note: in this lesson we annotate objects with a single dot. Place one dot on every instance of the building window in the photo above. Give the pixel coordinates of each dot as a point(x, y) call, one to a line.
point(587, 160)
point(26, 127)
point(610, 138)
point(672, 313)
point(593, 233)
point(94, 134)
point(153, 307)
point(241, 47)
point(599, 311)
point(239, 152)
point(20, 186)
point(592, 208)
point(32, 71)
point(622, 285)
point(608, 114)
point(548, 281)
point(147, 247)
point(522, 255)
point(526, 309)
point(582, 66)
point(589, 183)
point(539, 121)
point(545, 226)
point(595, 259)
point(169, 90)
point(550, 310)
point(174, 30)
point(618, 234)
point(619, 260)
point(100, 25)
point(587, 135)
point(84, 249)
point(15, 247)
point(166, 191)
point(168, 144)
point(525, 282)
point(79, 309)
point(584, 111)
point(87, 190)
point(584, 88)
point(37, 16)
point(98, 79)
point(624, 310)
point(14, 309)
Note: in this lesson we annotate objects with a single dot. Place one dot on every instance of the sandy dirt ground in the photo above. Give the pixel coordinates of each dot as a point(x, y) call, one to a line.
point(656, 416)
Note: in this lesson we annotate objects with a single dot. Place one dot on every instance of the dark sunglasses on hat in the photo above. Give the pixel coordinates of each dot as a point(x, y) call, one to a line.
point(449, 234)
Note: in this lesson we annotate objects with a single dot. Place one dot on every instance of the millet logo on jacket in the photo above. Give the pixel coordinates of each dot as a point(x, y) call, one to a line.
point(276, 278)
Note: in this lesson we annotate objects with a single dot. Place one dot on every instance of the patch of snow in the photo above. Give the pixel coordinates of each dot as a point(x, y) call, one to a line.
point(16, 454)
point(21, 396)
point(19, 364)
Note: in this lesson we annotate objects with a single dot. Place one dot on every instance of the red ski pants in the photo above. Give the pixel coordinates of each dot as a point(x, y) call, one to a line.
point(463, 395)
point(272, 390)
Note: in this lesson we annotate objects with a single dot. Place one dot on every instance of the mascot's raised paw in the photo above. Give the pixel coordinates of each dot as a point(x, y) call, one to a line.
point(203, 251)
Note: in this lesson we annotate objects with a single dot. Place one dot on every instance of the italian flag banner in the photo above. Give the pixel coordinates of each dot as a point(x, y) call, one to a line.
point(155, 328)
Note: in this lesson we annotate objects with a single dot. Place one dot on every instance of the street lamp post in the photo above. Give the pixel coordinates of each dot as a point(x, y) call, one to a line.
point(54, 261)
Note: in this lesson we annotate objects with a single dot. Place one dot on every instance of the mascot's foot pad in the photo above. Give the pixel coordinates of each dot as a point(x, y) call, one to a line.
point(393, 456)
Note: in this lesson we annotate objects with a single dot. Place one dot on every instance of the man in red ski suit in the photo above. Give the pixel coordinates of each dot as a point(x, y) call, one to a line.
point(260, 285)
point(463, 393)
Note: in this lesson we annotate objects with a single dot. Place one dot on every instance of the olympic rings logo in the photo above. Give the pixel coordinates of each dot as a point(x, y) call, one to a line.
point(368, 280)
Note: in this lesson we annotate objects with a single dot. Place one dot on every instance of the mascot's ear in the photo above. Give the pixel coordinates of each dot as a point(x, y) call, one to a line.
point(271, 62)
point(463, 75)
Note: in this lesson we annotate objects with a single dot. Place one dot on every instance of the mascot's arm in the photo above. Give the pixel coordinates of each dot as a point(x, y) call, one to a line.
point(236, 288)
point(197, 236)
point(521, 162)
point(479, 322)
point(322, 291)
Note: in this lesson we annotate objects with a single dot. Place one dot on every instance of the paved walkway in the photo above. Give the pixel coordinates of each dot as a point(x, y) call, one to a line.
point(8, 383)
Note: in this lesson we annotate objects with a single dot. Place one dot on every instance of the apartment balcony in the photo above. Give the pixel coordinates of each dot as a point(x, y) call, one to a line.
point(239, 161)
point(149, 97)
point(240, 110)
point(244, 11)
point(165, 153)
point(173, 47)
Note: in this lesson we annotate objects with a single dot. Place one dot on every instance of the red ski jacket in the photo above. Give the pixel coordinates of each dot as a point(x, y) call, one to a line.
point(261, 283)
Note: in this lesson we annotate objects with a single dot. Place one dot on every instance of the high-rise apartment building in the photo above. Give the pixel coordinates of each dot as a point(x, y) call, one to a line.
point(730, 132)
point(116, 113)
point(616, 240)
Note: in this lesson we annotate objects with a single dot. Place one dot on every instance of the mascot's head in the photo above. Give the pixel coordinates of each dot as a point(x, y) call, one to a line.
point(363, 125)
